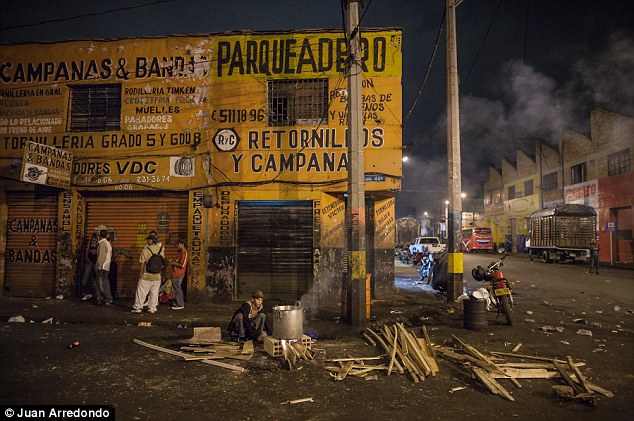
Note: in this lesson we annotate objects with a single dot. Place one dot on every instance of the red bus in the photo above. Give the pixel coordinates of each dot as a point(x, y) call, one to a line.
point(477, 238)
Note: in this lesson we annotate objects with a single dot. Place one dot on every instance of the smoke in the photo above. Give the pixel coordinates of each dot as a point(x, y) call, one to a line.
point(606, 80)
point(528, 105)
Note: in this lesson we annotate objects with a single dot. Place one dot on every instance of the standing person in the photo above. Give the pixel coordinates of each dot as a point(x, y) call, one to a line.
point(179, 266)
point(150, 278)
point(90, 265)
point(249, 321)
point(594, 257)
point(104, 258)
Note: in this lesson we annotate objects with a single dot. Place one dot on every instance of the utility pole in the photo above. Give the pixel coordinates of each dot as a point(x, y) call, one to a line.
point(355, 207)
point(454, 187)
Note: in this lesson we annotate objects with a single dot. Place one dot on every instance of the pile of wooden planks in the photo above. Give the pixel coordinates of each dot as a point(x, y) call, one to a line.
point(404, 351)
point(489, 369)
point(187, 357)
point(355, 366)
point(218, 351)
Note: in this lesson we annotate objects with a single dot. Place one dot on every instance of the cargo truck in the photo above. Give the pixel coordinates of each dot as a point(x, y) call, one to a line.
point(561, 233)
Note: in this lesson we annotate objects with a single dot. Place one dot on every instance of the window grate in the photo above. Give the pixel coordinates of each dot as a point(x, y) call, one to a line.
point(302, 102)
point(619, 162)
point(95, 108)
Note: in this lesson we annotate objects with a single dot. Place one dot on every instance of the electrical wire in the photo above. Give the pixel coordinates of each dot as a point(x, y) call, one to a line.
point(85, 15)
point(464, 82)
point(431, 61)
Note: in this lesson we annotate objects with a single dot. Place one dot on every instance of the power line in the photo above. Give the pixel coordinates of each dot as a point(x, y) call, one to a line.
point(431, 61)
point(462, 85)
point(105, 12)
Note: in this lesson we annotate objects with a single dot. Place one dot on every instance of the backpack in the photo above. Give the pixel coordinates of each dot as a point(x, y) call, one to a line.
point(156, 262)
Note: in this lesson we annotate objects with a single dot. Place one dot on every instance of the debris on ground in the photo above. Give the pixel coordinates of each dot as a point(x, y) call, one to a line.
point(404, 352)
point(186, 356)
point(584, 332)
point(516, 347)
point(298, 401)
point(17, 319)
point(488, 369)
point(49, 320)
point(549, 328)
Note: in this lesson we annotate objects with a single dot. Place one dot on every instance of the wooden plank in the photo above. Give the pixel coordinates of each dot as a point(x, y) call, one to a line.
point(369, 339)
point(532, 365)
point(380, 357)
point(428, 341)
point(592, 397)
point(411, 368)
point(491, 383)
point(471, 350)
point(416, 351)
point(344, 371)
point(564, 375)
point(387, 349)
point(526, 373)
point(247, 348)
point(220, 355)
point(393, 356)
point(530, 357)
point(182, 354)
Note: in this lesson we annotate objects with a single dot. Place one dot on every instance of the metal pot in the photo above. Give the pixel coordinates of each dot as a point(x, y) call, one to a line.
point(288, 322)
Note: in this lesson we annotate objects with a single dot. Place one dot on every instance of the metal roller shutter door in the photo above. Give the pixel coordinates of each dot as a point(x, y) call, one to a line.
point(31, 245)
point(274, 253)
point(132, 218)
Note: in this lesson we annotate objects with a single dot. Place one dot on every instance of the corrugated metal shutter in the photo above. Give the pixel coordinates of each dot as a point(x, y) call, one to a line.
point(132, 218)
point(31, 245)
point(274, 254)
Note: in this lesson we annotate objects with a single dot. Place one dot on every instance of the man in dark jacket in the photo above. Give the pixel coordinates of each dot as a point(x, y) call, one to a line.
point(249, 321)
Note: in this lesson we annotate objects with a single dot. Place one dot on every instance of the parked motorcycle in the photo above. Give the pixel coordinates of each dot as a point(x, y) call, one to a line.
point(499, 287)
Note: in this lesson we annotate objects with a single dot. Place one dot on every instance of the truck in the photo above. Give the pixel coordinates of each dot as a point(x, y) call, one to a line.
point(433, 245)
point(561, 233)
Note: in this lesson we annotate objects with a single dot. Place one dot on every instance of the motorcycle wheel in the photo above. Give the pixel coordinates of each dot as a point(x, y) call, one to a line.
point(506, 307)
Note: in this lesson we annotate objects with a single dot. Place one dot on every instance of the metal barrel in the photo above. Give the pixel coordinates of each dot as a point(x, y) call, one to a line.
point(475, 316)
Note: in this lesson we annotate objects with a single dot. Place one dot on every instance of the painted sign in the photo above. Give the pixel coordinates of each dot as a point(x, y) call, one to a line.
point(46, 165)
point(583, 194)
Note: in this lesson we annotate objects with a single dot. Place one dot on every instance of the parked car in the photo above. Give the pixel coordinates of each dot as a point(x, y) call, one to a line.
point(433, 245)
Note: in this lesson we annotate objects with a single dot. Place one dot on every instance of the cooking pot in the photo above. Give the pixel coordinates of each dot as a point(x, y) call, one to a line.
point(288, 322)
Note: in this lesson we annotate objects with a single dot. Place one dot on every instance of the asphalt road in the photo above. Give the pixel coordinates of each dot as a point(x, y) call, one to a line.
point(108, 368)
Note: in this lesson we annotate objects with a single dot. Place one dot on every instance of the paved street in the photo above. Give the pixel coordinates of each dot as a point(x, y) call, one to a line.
point(108, 367)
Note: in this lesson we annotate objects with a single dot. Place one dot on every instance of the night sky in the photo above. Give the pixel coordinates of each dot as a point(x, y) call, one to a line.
point(527, 67)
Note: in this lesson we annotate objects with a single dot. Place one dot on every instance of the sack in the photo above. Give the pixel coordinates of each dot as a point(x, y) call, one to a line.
point(156, 262)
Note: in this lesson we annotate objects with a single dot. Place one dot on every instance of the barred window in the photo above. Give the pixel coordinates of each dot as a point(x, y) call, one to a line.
point(95, 108)
point(578, 173)
point(302, 102)
point(549, 181)
point(619, 162)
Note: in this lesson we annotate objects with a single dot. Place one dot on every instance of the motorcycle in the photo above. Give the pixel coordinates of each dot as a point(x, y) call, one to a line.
point(427, 262)
point(499, 287)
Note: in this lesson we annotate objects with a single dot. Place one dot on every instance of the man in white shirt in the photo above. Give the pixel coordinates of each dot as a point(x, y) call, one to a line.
point(104, 258)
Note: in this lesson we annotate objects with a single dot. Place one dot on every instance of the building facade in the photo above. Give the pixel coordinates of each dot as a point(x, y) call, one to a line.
point(235, 143)
point(592, 170)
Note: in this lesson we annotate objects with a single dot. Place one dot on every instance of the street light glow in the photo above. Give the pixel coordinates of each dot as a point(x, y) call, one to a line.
point(405, 159)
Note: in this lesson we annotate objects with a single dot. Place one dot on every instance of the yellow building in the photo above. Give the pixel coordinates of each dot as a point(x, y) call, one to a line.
point(234, 142)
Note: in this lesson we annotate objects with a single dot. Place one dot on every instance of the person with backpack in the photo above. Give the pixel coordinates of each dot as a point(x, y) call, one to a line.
point(152, 264)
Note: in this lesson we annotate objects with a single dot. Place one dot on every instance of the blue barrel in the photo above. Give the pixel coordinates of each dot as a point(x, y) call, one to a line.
point(475, 316)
